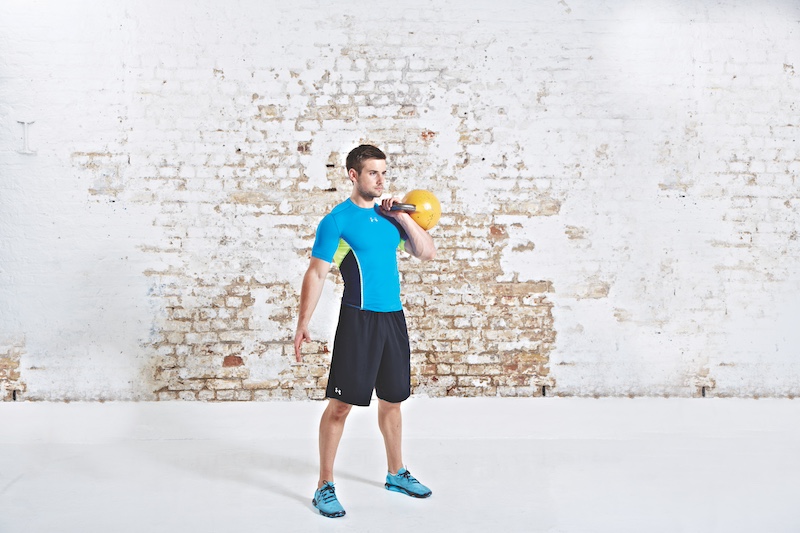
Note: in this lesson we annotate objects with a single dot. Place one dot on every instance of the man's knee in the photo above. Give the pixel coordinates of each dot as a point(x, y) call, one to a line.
point(389, 407)
point(337, 409)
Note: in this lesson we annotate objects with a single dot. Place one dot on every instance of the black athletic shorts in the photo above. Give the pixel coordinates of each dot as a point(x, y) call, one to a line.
point(370, 351)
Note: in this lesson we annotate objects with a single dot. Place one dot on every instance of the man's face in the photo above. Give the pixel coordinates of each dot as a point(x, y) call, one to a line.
point(369, 182)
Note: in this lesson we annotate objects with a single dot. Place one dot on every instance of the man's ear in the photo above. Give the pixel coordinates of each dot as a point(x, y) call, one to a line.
point(353, 175)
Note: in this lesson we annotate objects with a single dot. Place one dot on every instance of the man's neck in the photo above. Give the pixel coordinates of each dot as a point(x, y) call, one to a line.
point(360, 201)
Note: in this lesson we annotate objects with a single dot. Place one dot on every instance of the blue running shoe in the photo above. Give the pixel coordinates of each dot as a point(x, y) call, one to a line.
point(404, 482)
point(326, 502)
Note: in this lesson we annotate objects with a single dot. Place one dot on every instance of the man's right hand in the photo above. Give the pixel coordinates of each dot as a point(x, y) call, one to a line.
point(299, 338)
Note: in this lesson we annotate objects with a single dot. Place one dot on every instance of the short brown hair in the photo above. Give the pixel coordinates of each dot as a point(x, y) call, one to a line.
point(357, 156)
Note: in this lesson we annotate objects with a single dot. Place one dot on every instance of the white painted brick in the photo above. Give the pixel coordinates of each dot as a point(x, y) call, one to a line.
point(385, 75)
point(425, 77)
point(355, 76)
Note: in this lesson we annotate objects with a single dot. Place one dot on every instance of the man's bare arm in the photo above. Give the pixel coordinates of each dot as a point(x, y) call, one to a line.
point(420, 243)
point(313, 282)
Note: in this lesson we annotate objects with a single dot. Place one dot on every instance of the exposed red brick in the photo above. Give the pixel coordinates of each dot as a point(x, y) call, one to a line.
point(497, 231)
point(232, 360)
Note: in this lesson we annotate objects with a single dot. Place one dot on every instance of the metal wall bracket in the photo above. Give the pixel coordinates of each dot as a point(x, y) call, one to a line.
point(25, 148)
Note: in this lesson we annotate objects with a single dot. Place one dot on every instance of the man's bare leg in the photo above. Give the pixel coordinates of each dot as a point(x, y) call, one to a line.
point(331, 428)
point(390, 421)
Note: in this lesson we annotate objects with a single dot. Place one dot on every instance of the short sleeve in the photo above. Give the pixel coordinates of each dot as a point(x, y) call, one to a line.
point(327, 239)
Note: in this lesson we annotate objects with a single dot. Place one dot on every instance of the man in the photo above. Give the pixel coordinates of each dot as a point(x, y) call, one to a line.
point(371, 349)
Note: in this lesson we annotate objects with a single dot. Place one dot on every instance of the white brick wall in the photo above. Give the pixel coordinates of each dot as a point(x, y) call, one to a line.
point(620, 182)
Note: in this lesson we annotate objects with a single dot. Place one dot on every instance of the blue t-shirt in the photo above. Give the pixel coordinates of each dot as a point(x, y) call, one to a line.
point(363, 243)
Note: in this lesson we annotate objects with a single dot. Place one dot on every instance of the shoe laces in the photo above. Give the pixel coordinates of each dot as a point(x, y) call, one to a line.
point(408, 477)
point(327, 493)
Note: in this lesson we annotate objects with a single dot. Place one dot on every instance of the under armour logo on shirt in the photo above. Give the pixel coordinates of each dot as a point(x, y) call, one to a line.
point(338, 391)
point(373, 219)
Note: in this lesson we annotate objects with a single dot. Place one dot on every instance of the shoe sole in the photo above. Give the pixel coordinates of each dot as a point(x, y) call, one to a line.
point(395, 488)
point(329, 515)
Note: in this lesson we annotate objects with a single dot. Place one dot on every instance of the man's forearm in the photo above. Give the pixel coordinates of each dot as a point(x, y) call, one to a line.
point(422, 245)
point(311, 290)
point(309, 297)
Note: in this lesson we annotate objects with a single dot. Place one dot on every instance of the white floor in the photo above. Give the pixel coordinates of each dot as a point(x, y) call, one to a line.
point(498, 465)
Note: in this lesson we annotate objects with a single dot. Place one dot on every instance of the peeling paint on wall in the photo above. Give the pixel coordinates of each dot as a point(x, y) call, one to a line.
point(12, 386)
point(620, 215)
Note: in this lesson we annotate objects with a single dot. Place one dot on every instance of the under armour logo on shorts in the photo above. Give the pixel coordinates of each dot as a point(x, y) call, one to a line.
point(338, 391)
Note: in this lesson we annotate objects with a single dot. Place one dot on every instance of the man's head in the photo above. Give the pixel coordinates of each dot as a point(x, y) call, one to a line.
point(357, 156)
point(366, 167)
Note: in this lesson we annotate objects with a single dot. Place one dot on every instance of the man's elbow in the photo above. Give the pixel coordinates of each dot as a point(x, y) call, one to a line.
point(427, 255)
